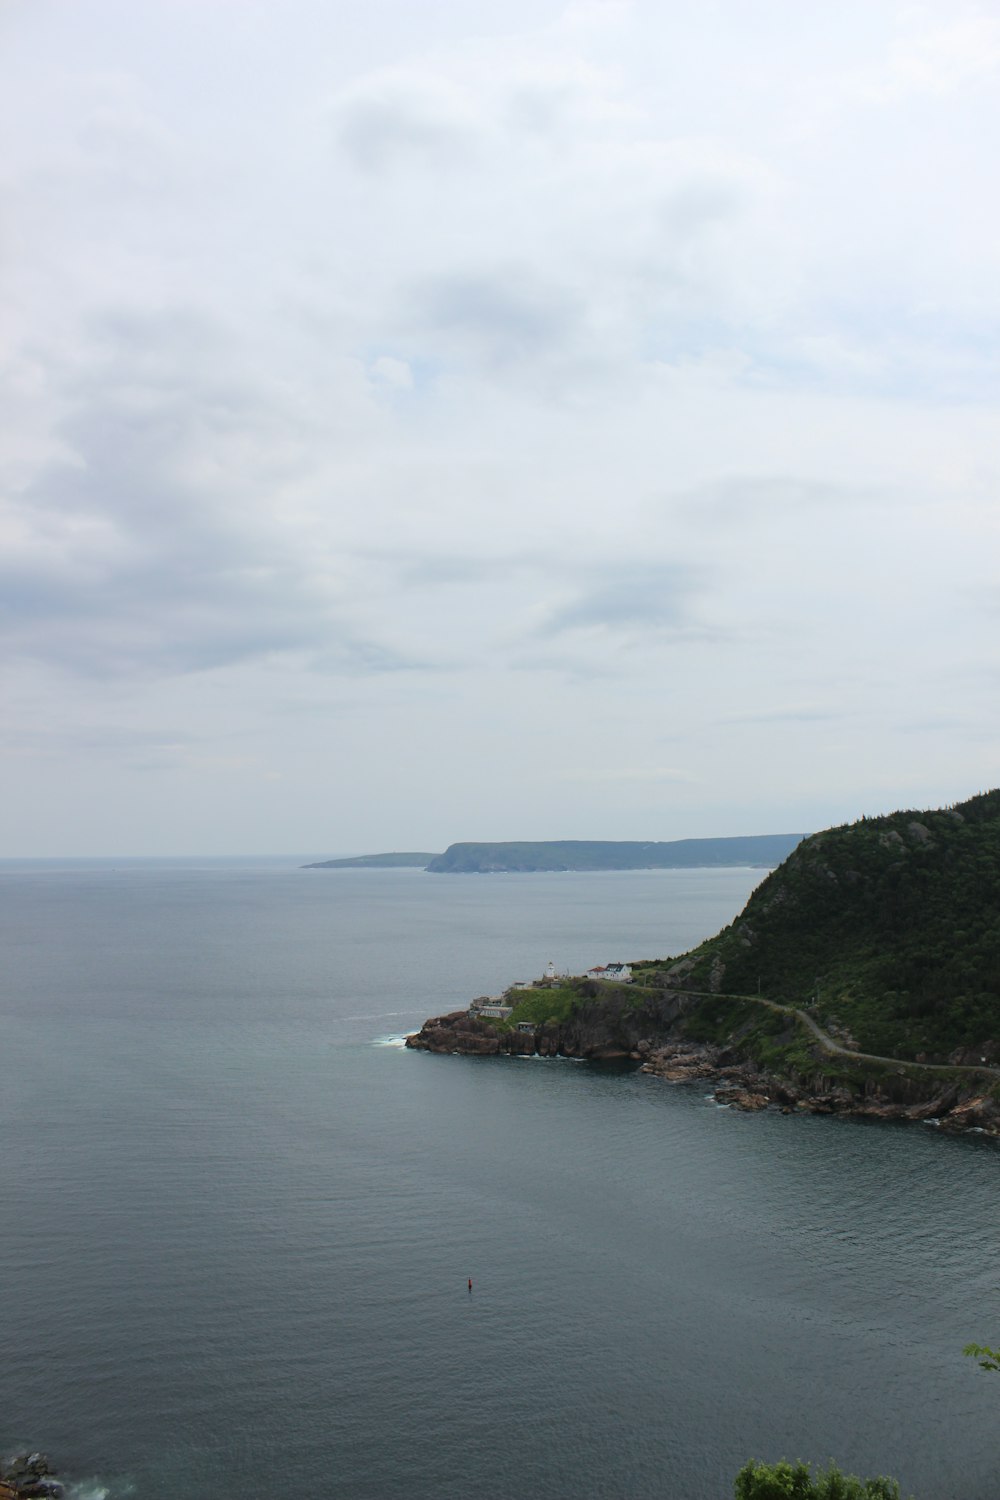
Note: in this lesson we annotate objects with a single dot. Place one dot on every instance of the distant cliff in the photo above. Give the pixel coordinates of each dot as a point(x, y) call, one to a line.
point(596, 854)
point(376, 862)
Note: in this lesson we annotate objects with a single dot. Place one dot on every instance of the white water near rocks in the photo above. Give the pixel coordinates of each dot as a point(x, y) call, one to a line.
point(239, 1218)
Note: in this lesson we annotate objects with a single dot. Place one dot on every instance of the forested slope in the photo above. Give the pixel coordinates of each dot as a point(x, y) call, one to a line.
point(889, 926)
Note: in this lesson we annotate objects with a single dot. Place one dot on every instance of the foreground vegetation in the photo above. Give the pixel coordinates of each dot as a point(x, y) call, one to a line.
point(785, 1481)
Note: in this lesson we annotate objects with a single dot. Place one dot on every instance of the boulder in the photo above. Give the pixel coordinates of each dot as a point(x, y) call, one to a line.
point(741, 1098)
point(29, 1477)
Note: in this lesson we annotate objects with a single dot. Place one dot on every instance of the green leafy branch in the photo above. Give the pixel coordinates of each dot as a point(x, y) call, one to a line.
point(988, 1359)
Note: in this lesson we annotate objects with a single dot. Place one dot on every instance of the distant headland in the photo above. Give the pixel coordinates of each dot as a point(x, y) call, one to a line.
point(766, 850)
point(415, 861)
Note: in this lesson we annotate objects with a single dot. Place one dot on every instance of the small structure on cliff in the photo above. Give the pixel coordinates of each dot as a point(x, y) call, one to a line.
point(619, 973)
point(487, 1005)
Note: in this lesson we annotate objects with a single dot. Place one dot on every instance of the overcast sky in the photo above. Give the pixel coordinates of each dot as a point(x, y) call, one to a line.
point(453, 419)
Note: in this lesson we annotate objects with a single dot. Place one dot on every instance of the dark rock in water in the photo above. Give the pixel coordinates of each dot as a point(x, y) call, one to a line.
point(739, 1098)
point(29, 1477)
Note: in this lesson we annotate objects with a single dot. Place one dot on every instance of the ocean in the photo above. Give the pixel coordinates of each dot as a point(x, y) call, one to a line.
point(239, 1218)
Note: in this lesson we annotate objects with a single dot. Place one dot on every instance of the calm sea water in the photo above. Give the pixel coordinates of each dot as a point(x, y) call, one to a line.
point(238, 1219)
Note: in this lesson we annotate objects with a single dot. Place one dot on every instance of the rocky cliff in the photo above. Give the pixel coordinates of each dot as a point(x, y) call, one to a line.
point(28, 1476)
point(754, 1057)
point(530, 856)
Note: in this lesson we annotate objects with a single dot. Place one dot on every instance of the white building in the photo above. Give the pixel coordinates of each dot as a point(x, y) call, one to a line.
point(620, 973)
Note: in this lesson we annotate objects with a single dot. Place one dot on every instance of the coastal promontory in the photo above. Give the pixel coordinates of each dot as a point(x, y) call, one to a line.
point(863, 976)
point(530, 857)
point(767, 850)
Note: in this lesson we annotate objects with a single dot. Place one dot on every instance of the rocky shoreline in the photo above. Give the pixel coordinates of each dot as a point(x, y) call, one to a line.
point(735, 1080)
point(29, 1476)
point(743, 1086)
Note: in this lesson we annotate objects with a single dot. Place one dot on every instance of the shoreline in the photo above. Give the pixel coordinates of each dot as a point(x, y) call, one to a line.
point(853, 1088)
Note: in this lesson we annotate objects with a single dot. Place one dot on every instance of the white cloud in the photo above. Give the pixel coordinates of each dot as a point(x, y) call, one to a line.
point(396, 374)
point(938, 57)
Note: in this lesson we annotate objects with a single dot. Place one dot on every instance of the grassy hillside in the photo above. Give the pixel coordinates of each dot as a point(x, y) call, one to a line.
point(890, 927)
point(607, 854)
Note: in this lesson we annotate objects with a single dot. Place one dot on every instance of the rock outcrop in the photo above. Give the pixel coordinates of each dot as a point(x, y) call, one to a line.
point(648, 1033)
point(29, 1477)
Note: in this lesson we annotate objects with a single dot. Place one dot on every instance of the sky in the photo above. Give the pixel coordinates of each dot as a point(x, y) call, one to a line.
point(462, 420)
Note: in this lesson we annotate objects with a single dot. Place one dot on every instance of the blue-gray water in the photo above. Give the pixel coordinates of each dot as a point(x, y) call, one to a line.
point(237, 1222)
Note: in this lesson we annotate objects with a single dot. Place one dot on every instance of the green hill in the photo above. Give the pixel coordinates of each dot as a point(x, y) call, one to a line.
point(598, 854)
point(889, 927)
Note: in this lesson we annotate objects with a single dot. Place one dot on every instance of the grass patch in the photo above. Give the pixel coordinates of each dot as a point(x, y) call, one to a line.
point(555, 1002)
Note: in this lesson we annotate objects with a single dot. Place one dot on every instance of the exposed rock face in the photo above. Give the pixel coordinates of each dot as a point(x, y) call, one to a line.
point(738, 1098)
point(610, 1029)
point(28, 1477)
point(978, 1113)
point(615, 1028)
point(457, 1032)
point(680, 1062)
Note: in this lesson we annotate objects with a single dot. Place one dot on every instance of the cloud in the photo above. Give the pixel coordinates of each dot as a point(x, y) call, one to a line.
point(401, 122)
point(444, 570)
point(632, 600)
point(395, 374)
point(630, 773)
point(500, 316)
point(936, 59)
point(784, 716)
point(119, 741)
point(158, 540)
point(518, 357)
point(750, 497)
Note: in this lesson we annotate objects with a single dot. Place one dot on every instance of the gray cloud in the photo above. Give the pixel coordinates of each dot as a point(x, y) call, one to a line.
point(653, 599)
point(379, 133)
point(363, 658)
point(456, 571)
point(504, 315)
point(783, 716)
point(579, 668)
point(154, 544)
point(528, 371)
point(703, 202)
point(115, 740)
point(749, 496)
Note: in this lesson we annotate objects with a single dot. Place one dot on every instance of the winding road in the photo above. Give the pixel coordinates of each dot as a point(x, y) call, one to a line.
point(828, 1044)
